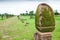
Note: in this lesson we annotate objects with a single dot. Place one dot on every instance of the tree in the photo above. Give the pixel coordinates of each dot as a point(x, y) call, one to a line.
point(31, 14)
point(2, 15)
point(27, 13)
point(56, 12)
point(6, 14)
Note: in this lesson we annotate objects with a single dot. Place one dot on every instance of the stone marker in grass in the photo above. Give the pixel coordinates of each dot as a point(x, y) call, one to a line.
point(44, 22)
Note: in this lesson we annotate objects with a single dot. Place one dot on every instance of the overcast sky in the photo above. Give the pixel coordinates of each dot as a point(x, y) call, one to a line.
point(20, 6)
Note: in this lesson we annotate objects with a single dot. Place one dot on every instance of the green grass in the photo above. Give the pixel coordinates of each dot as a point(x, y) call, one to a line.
point(56, 33)
point(16, 30)
point(4, 18)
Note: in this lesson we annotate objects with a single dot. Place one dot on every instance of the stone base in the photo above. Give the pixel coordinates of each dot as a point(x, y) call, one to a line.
point(43, 36)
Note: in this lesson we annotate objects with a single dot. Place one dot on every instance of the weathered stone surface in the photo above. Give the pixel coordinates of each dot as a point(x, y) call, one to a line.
point(44, 18)
point(43, 36)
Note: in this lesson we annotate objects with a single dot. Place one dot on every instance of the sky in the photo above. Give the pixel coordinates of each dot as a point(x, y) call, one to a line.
point(21, 6)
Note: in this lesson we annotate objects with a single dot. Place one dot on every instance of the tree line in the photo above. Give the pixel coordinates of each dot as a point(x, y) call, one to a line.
point(6, 15)
point(56, 12)
point(31, 13)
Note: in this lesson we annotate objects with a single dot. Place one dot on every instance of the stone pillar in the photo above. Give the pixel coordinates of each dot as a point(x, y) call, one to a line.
point(44, 22)
point(43, 36)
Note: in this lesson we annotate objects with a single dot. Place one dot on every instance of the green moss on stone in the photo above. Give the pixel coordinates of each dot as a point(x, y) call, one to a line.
point(47, 19)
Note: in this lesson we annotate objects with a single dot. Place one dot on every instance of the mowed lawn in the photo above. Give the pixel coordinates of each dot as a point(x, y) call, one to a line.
point(14, 29)
point(56, 32)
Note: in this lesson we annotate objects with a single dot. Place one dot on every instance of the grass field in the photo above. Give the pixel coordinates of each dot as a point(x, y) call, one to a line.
point(1, 18)
point(14, 29)
point(56, 33)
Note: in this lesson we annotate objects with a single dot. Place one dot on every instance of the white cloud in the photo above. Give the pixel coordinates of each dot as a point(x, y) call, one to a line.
point(29, 0)
point(17, 7)
point(21, 7)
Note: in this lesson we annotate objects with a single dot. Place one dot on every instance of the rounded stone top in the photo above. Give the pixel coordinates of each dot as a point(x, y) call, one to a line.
point(44, 18)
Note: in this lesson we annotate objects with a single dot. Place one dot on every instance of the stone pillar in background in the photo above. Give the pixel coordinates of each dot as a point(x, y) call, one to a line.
point(44, 22)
